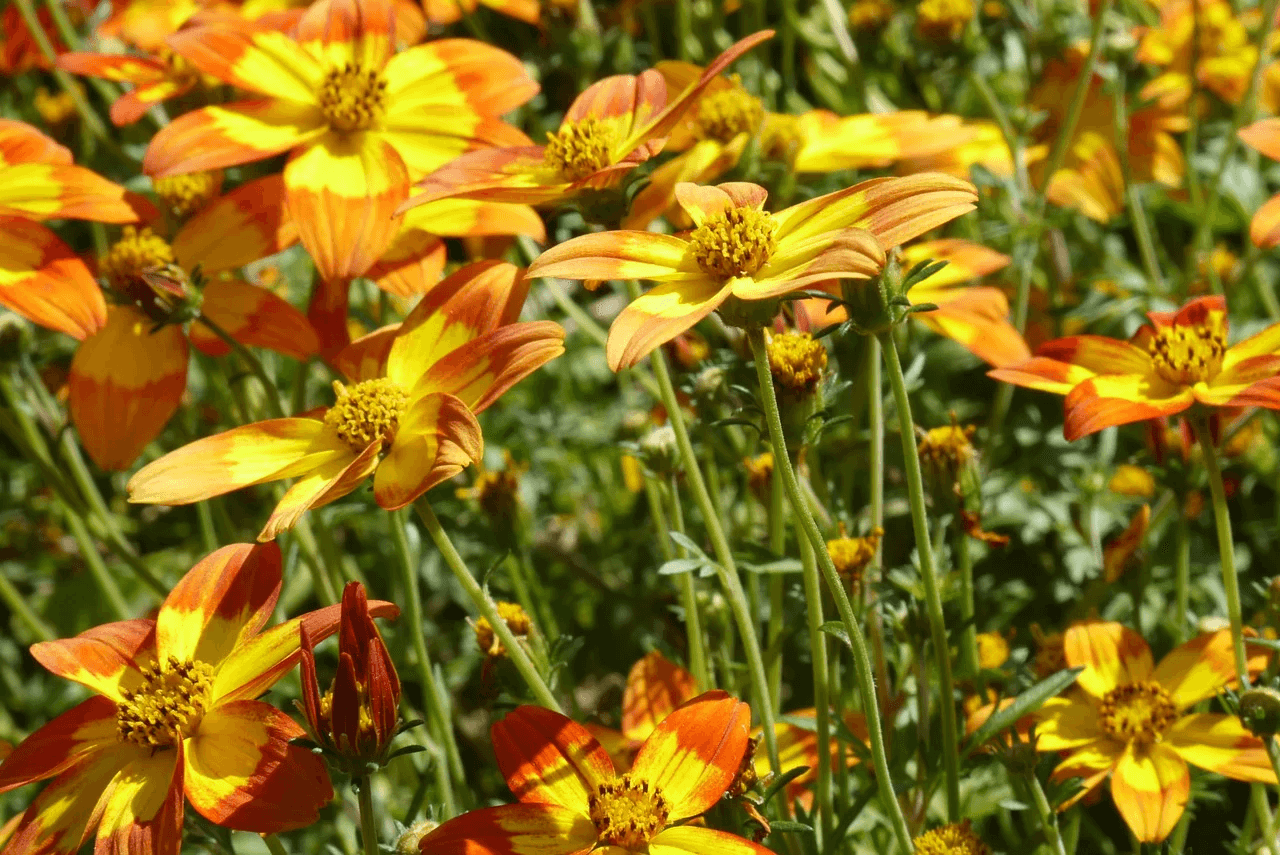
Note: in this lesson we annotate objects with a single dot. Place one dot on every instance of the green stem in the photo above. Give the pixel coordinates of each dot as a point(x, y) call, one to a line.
point(1262, 812)
point(274, 846)
point(929, 573)
point(18, 605)
point(368, 822)
point(727, 568)
point(254, 365)
point(1182, 573)
point(857, 641)
point(97, 569)
point(320, 573)
point(777, 589)
point(437, 719)
point(689, 597)
point(1048, 818)
point(969, 660)
point(821, 695)
point(684, 29)
point(484, 604)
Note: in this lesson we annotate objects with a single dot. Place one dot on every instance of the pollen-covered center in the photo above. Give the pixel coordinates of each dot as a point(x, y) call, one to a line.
point(725, 114)
point(366, 412)
point(168, 705)
point(138, 251)
point(352, 97)
point(186, 194)
point(1137, 712)
point(627, 812)
point(796, 361)
point(734, 242)
point(1186, 355)
point(580, 148)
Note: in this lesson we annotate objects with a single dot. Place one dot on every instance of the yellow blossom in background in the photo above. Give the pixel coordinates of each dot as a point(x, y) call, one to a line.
point(516, 619)
point(759, 473)
point(953, 839)
point(993, 650)
point(866, 15)
point(943, 20)
point(852, 555)
point(1130, 480)
point(796, 361)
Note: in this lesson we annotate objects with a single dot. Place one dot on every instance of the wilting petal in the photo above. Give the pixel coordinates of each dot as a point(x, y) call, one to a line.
point(67, 741)
point(219, 604)
point(241, 771)
point(659, 315)
point(617, 255)
point(43, 191)
point(702, 841)
point(1112, 655)
point(45, 282)
point(480, 371)
point(264, 61)
point(519, 829)
point(549, 759)
point(239, 228)
point(126, 382)
point(1264, 228)
point(101, 658)
point(214, 137)
point(60, 819)
point(263, 451)
point(694, 753)
point(253, 316)
point(1221, 744)
point(655, 687)
point(142, 810)
point(1198, 669)
point(1150, 788)
point(322, 485)
point(1119, 399)
point(438, 437)
point(1063, 723)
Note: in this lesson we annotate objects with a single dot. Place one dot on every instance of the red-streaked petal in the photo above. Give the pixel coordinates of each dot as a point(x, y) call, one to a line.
point(101, 658)
point(62, 817)
point(694, 753)
point(411, 266)
point(118, 67)
point(1098, 354)
point(45, 282)
point(1221, 744)
point(67, 741)
point(655, 687)
point(267, 62)
point(617, 255)
point(1150, 788)
point(142, 810)
point(214, 137)
point(1119, 399)
point(519, 829)
point(241, 771)
point(622, 102)
point(438, 437)
point(515, 174)
point(1046, 375)
point(549, 759)
point(1112, 655)
point(43, 191)
point(480, 371)
point(695, 840)
point(324, 484)
point(21, 143)
point(253, 316)
point(355, 30)
point(659, 315)
point(239, 228)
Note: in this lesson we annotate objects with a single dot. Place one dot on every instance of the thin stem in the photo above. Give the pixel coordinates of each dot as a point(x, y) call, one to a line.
point(1262, 812)
point(684, 29)
point(97, 569)
point(253, 363)
point(698, 658)
point(1182, 573)
point(777, 590)
point(875, 463)
point(320, 574)
point(18, 605)
point(970, 664)
point(1048, 818)
point(929, 573)
point(484, 604)
point(274, 845)
point(857, 641)
point(368, 822)
point(437, 720)
point(821, 696)
point(727, 568)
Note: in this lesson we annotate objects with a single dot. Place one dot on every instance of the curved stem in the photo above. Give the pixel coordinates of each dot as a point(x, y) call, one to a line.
point(821, 695)
point(929, 573)
point(368, 822)
point(857, 641)
point(1048, 819)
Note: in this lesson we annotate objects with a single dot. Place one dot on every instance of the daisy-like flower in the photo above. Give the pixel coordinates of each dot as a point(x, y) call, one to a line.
point(408, 418)
point(1264, 228)
point(738, 250)
point(175, 713)
point(40, 277)
point(1174, 362)
point(655, 687)
point(154, 78)
point(572, 800)
point(1130, 719)
point(361, 120)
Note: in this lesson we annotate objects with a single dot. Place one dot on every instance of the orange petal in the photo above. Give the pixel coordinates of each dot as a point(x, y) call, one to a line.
point(480, 371)
point(360, 30)
point(239, 228)
point(242, 773)
point(1221, 744)
point(1264, 228)
point(846, 254)
point(1150, 788)
point(42, 191)
point(1092, 762)
point(489, 81)
point(515, 175)
point(60, 819)
point(1119, 399)
point(1198, 669)
point(438, 437)
point(126, 382)
point(411, 266)
point(1047, 375)
point(966, 321)
point(267, 62)
point(617, 255)
point(317, 488)
point(470, 218)
point(700, 202)
point(21, 143)
point(1264, 136)
point(134, 104)
point(327, 311)
point(655, 687)
point(214, 137)
point(965, 260)
point(142, 809)
point(549, 759)
point(1111, 654)
point(121, 68)
point(659, 315)
point(101, 658)
point(705, 161)
point(45, 282)
point(253, 316)
point(699, 840)
point(69, 740)
point(519, 829)
point(694, 753)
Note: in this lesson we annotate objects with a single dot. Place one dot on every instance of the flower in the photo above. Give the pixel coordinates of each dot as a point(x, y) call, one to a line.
point(155, 78)
point(1213, 36)
point(655, 688)
point(797, 739)
point(1264, 228)
point(173, 714)
point(853, 555)
point(408, 419)
point(956, 838)
point(1174, 362)
point(516, 619)
point(1133, 721)
point(360, 120)
point(40, 277)
point(572, 800)
point(796, 362)
point(739, 250)
point(944, 20)
point(1120, 552)
point(443, 12)
point(356, 719)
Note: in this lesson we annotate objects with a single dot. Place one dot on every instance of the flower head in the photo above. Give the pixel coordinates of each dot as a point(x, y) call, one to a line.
point(956, 838)
point(516, 619)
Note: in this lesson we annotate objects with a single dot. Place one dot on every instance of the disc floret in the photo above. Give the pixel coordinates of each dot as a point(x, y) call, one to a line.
point(1137, 712)
point(352, 97)
point(579, 149)
point(167, 707)
point(367, 412)
point(734, 242)
point(627, 812)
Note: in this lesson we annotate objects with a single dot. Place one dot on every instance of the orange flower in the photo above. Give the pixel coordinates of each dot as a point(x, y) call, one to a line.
point(175, 713)
point(1174, 362)
point(611, 128)
point(360, 120)
point(656, 686)
point(40, 277)
point(155, 79)
point(409, 416)
point(1132, 721)
point(1224, 55)
point(1264, 229)
point(443, 12)
point(572, 800)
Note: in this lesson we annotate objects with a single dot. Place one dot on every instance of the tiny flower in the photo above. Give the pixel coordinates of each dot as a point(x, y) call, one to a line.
point(759, 474)
point(852, 555)
point(516, 619)
point(950, 463)
point(497, 491)
point(993, 650)
point(952, 839)
point(1130, 480)
point(797, 362)
point(1050, 656)
point(184, 195)
point(944, 20)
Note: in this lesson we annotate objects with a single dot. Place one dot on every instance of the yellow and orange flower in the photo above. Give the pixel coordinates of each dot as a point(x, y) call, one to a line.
point(40, 277)
point(409, 418)
point(1132, 720)
point(1170, 364)
point(175, 713)
point(655, 687)
point(361, 121)
point(740, 251)
point(443, 12)
point(572, 800)
point(155, 79)
point(611, 128)
point(1224, 54)
point(1264, 228)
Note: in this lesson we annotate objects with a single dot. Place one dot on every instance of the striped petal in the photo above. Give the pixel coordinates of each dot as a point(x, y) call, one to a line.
point(44, 191)
point(61, 818)
point(117, 67)
point(966, 320)
point(1221, 744)
point(253, 316)
point(659, 315)
point(1092, 763)
point(437, 438)
point(1119, 399)
point(322, 485)
point(617, 255)
point(1264, 228)
point(267, 62)
point(655, 687)
point(1150, 788)
point(142, 809)
point(214, 137)
point(85, 729)
point(238, 228)
point(1111, 654)
point(349, 30)
point(469, 218)
point(516, 174)
point(21, 143)
point(101, 658)
point(519, 829)
point(242, 773)
point(623, 103)
point(411, 266)
point(480, 371)
point(1063, 723)
point(548, 759)
point(848, 254)
point(489, 81)
point(134, 104)
point(1047, 375)
point(694, 753)
point(45, 282)
point(126, 381)
point(701, 202)
point(1198, 669)
point(698, 840)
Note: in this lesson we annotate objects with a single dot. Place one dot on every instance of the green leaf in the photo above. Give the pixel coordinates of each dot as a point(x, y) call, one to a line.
point(787, 825)
point(1027, 702)
point(836, 628)
point(677, 566)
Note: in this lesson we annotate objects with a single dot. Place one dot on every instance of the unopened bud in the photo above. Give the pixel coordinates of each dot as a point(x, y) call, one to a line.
point(1260, 711)
point(409, 842)
point(659, 452)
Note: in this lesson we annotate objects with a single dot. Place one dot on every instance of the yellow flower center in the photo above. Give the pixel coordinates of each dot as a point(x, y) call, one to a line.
point(944, 19)
point(733, 242)
point(1051, 656)
point(953, 839)
point(725, 114)
point(1187, 355)
point(54, 109)
point(138, 251)
point(352, 97)
point(852, 555)
point(627, 812)
point(580, 148)
point(168, 705)
point(516, 619)
point(1137, 712)
point(184, 195)
point(796, 362)
point(367, 412)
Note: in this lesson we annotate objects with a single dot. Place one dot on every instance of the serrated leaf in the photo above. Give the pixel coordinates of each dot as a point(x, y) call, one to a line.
point(1027, 702)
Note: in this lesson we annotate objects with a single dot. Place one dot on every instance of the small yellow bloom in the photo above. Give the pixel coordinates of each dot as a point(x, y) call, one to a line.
point(852, 555)
point(759, 472)
point(952, 839)
point(943, 20)
point(993, 650)
point(1130, 480)
point(516, 619)
point(796, 362)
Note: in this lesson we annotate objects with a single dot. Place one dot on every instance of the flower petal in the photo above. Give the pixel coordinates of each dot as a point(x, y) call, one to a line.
point(701, 202)
point(1092, 762)
point(67, 741)
point(656, 686)
point(848, 254)
point(142, 808)
point(1198, 669)
point(659, 315)
point(1112, 655)
point(21, 143)
point(1047, 375)
point(1150, 788)
point(480, 371)
point(1119, 399)
point(267, 62)
point(1264, 228)
point(549, 759)
point(702, 841)
point(43, 191)
point(1099, 354)
point(519, 829)
point(486, 79)
point(214, 137)
point(324, 484)
point(247, 224)
point(253, 316)
point(1264, 136)
point(45, 282)
point(101, 658)
point(437, 438)
point(965, 320)
point(1221, 744)
point(60, 819)
point(1063, 723)
point(617, 255)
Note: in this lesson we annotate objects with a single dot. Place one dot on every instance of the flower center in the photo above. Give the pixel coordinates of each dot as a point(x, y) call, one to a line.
point(953, 839)
point(1186, 355)
point(184, 195)
point(796, 362)
point(368, 412)
point(852, 555)
point(733, 242)
point(1137, 712)
point(168, 705)
point(627, 812)
point(352, 97)
point(725, 114)
point(137, 252)
point(580, 148)
point(516, 619)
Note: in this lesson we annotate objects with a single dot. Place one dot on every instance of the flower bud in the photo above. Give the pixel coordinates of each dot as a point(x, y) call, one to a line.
point(950, 465)
point(516, 619)
point(658, 451)
point(759, 474)
point(408, 842)
point(852, 555)
point(1260, 711)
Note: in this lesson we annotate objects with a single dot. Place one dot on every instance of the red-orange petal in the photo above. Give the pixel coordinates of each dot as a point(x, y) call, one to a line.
point(215, 137)
point(519, 829)
point(45, 282)
point(1119, 399)
point(438, 437)
point(549, 759)
point(1150, 787)
point(659, 315)
point(68, 740)
point(700, 840)
point(142, 809)
point(480, 371)
point(101, 658)
point(238, 228)
point(61, 818)
point(656, 686)
point(317, 488)
point(253, 316)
